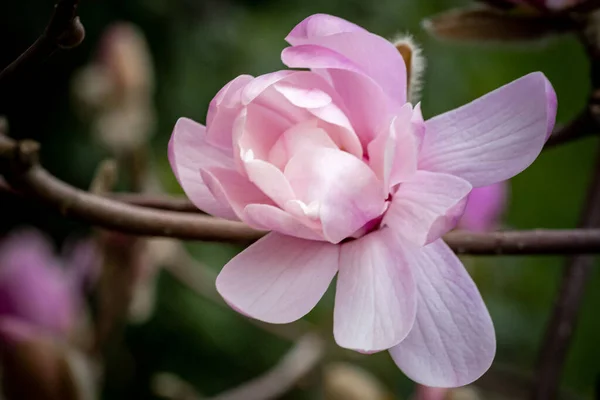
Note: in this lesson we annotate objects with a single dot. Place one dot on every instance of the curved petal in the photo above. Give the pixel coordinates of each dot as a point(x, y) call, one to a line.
point(270, 218)
point(368, 107)
point(318, 25)
point(359, 46)
point(313, 93)
point(452, 342)
point(256, 129)
point(484, 208)
point(278, 279)
point(222, 111)
point(346, 190)
point(229, 187)
point(427, 207)
point(270, 180)
point(188, 153)
point(375, 300)
point(306, 135)
point(393, 153)
point(494, 137)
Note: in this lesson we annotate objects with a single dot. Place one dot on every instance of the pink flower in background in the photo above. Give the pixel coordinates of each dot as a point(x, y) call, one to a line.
point(39, 290)
point(352, 181)
point(484, 208)
point(554, 5)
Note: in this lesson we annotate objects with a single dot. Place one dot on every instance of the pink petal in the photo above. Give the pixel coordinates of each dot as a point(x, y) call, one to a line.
point(270, 218)
point(318, 25)
point(393, 153)
point(367, 106)
point(278, 279)
point(313, 93)
point(270, 180)
point(359, 46)
point(300, 137)
point(452, 342)
point(188, 152)
point(494, 137)
point(485, 206)
point(427, 207)
point(346, 190)
point(256, 129)
point(261, 83)
point(230, 188)
point(222, 111)
point(375, 301)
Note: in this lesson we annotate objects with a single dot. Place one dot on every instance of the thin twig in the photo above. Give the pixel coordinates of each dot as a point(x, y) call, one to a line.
point(582, 126)
point(300, 360)
point(564, 318)
point(20, 167)
point(64, 31)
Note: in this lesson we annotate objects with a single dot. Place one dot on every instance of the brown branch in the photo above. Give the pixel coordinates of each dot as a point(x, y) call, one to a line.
point(568, 303)
point(21, 169)
point(64, 31)
point(582, 126)
point(157, 201)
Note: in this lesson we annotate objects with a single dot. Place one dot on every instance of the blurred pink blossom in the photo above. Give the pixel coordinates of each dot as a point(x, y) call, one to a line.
point(484, 208)
point(554, 5)
point(352, 181)
point(38, 289)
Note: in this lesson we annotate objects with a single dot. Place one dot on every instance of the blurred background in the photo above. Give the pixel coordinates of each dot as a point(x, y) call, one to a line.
point(83, 115)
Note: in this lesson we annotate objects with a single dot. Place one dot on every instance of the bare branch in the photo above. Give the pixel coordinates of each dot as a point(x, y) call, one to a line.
point(566, 310)
point(158, 201)
point(18, 163)
point(64, 31)
point(582, 126)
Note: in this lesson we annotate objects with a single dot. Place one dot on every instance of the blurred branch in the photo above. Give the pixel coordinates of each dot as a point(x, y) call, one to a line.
point(583, 125)
point(566, 310)
point(482, 23)
point(158, 201)
point(19, 165)
point(559, 331)
point(301, 359)
point(304, 356)
point(64, 31)
point(199, 278)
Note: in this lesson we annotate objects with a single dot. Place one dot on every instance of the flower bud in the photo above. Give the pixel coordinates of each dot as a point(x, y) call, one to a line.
point(485, 206)
point(115, 90)
point(39, 288)
point(415, 65)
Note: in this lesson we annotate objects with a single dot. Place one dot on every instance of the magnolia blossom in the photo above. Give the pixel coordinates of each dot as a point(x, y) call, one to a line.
point(554, 5)
point(39, 291)
point(484, 208)
point(350, 180)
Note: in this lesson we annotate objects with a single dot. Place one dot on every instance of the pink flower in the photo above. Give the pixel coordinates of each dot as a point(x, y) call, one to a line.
point(554, 5)
point(36, 290)
point(351, 181)
point(484, 208)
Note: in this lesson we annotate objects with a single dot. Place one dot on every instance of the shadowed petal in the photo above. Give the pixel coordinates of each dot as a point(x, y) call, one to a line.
point(188, 153)
point(427, 207)
point(452, 342)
